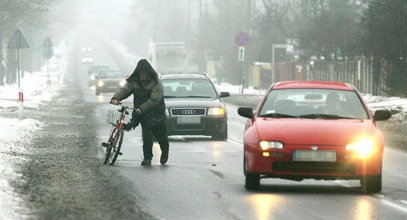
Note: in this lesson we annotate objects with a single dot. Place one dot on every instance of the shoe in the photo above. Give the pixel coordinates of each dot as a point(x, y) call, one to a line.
point(146, 162)
point(164, 157)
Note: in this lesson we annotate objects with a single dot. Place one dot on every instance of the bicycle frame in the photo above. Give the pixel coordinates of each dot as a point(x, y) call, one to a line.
point(116, 137)
point(119, 126)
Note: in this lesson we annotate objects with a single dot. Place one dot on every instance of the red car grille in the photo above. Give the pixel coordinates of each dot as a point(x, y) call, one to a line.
point(314, 167)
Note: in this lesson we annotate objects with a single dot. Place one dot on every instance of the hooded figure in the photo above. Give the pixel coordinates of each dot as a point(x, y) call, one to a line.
point(148, 99)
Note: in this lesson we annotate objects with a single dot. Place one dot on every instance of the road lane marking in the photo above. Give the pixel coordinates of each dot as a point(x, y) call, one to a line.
point(394, 205)
point(404, 201)
point(231, 140)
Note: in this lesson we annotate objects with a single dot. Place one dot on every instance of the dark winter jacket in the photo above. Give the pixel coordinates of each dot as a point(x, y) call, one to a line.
point(149, 99)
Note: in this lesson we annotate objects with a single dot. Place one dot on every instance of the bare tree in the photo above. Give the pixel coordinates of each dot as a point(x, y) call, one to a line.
point(19, 14)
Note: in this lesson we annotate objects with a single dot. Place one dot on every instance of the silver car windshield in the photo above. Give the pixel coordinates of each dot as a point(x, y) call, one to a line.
point(313, 103)
point(111, 74)
point(188, 88)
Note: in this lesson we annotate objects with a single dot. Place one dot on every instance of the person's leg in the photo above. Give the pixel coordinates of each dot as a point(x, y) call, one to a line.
point(147, 144)
point(160, 133)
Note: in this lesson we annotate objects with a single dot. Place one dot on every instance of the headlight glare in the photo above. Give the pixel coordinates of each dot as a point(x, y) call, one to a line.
point(364, 147)
point(92, 77)
point(265, 145)
point(101, 83)
point(216, 111)
point(122, 83)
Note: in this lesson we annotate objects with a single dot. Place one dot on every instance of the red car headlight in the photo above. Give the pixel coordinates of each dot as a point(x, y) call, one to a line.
point(363, 147)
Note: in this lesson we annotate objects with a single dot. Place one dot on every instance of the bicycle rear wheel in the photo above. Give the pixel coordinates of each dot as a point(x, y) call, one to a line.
point(116, 146)
point(109, 148)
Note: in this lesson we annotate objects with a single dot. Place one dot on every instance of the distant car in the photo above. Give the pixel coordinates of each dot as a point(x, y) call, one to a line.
point(313, 130)
point(193, 106)
point(109, 80)
point(87, 49)
point(87, 59)
point(93, 71)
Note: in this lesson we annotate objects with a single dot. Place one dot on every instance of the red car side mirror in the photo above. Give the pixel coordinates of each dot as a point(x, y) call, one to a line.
point(245, 112)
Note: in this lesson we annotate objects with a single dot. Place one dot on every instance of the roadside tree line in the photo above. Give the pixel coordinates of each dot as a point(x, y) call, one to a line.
point(330, 31)
point(28, 15)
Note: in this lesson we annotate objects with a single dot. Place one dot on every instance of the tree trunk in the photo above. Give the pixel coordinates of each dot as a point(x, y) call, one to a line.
point(2, 75)
point(376, 75)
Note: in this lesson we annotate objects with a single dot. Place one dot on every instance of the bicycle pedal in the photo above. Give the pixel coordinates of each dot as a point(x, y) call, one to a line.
point(105, 144)
point(120, 153)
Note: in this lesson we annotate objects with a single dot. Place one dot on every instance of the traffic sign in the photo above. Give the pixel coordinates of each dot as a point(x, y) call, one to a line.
point(47, 51)
point(242, 39)
point(18, 41)
point(47, 43)
point(241, 54)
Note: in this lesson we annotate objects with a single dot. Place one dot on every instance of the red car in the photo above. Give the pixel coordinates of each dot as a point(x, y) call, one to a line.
point(313, 130)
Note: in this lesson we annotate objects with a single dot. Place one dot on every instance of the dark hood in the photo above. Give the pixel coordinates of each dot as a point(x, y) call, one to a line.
point(142, 65)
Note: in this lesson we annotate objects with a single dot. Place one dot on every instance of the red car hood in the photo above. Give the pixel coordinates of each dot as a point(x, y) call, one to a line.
point(313, 131)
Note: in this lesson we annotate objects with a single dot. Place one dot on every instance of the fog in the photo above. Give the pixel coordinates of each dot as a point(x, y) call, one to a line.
point(132, 23)
point(249, 42)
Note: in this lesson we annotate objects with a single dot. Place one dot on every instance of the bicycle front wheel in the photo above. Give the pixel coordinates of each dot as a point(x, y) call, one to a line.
point(116, 146)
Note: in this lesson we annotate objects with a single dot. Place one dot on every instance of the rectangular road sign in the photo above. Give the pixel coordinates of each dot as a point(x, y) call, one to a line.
point(241, 54)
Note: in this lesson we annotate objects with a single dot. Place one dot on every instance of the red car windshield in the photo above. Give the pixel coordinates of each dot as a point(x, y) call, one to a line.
point(313, 103)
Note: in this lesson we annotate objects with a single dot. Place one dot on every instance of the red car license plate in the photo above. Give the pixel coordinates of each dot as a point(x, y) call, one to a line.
point(314, 155)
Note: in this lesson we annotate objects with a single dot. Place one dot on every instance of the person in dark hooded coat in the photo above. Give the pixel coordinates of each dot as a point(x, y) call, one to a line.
point(148, 98)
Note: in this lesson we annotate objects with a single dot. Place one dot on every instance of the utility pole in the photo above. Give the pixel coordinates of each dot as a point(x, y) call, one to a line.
point(274, 47)
point(200, 8)
point(189, 22)
point(1, 45)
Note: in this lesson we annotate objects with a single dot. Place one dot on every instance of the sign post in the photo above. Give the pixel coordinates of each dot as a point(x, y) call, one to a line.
point(48, 52)
point(18, 42)
point(242, 40)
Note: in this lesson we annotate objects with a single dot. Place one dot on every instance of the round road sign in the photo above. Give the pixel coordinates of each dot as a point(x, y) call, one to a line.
point(242, 39)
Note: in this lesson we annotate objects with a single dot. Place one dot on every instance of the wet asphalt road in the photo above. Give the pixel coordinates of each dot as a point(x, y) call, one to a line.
point(204, 180)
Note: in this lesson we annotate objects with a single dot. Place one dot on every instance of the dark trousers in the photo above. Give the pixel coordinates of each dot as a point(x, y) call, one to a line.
point(160, 134)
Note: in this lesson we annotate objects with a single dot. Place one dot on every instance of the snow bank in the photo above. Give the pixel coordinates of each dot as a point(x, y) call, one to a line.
point(235, 89)
point(15, 136)
point(397, 105)
point(38, 86)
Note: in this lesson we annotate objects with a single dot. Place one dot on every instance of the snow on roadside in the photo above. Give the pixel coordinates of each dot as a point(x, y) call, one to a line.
point(235, 90)
point(397, 105)
point(36, 87)
point(15, 136)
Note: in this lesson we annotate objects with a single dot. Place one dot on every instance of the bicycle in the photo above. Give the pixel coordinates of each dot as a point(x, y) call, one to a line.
point(113, 145)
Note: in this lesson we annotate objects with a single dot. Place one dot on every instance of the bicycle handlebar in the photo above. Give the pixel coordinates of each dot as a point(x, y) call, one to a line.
point(124, 106)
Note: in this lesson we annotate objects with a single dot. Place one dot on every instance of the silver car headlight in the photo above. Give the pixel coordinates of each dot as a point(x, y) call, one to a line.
point(265, 145)
point(101, 83)
point(216, 111)
point(122, 83)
